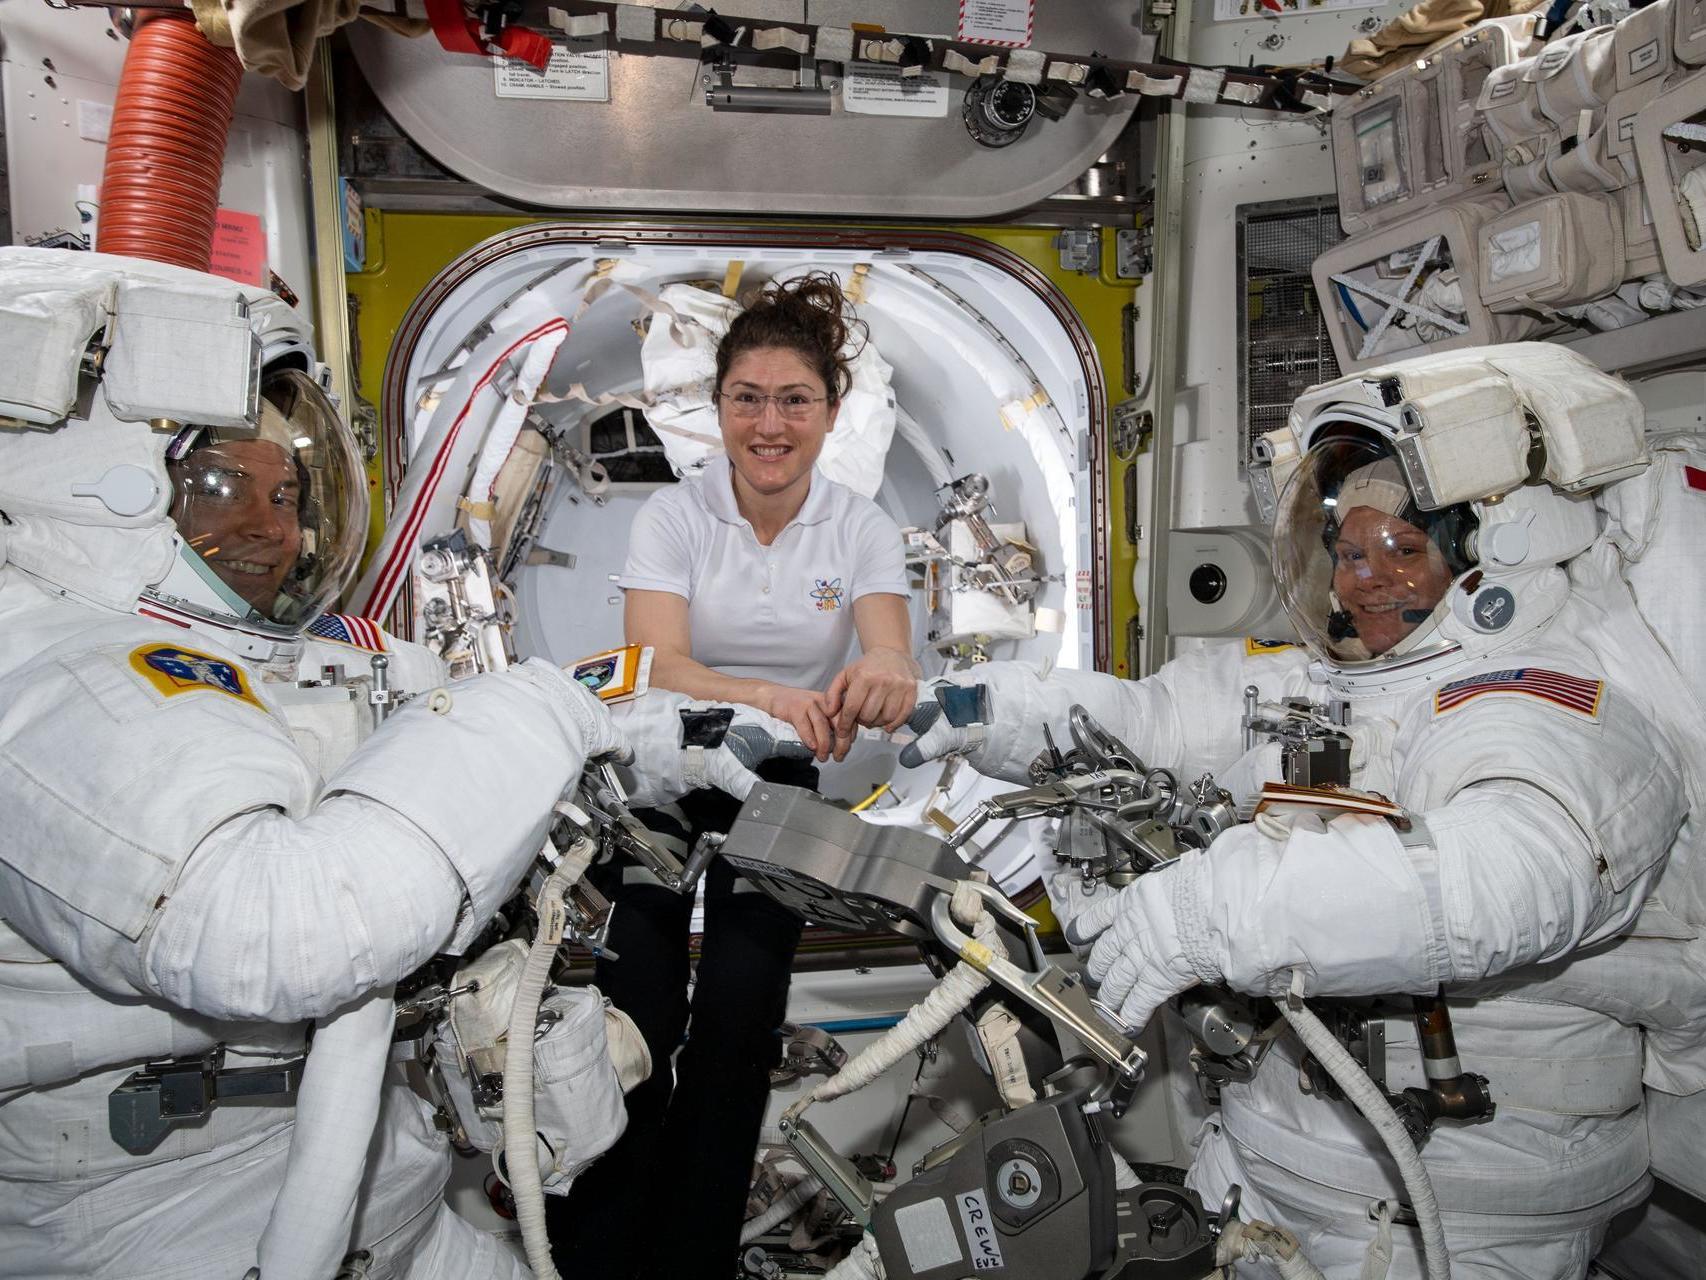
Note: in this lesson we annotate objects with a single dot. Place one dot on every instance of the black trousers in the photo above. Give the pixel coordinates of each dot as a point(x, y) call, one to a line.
point(669, 1198)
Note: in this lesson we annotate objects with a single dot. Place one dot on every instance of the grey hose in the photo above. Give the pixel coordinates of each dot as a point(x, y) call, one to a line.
point(1354, 1081)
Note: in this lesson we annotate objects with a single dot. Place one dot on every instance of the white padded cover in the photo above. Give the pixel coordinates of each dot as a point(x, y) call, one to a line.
point(1642, 45)
point(1559, 250)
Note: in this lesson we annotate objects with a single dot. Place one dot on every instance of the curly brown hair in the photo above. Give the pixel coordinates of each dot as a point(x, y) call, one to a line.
point(810, 316)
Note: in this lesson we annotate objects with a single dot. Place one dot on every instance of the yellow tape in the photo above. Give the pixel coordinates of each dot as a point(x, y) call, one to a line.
point(731, 277)
point(855, 290)
point(977, 955)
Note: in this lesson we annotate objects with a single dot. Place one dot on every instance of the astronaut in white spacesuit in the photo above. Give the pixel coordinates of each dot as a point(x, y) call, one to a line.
point(198, 862)
point(1502, 688)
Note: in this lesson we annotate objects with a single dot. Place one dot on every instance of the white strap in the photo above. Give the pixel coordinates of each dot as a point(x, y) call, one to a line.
point(591, 24)
point(1378, 1260)
point(693, 770)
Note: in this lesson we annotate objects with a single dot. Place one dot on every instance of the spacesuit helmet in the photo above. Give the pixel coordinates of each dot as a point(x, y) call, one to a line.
point(1423, 510)
point(1362, 569)
point(270, 522)
point(150, 417)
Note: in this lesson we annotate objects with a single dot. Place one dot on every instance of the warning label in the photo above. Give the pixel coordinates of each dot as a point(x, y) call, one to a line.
point(876, 89)
point(577, 72)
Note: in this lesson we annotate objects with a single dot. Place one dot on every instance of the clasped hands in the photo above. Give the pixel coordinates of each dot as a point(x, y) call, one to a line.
point(878, 689)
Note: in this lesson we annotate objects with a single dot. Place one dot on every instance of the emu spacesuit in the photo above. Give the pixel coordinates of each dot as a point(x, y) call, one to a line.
point(181, 876)
point(1458, 594)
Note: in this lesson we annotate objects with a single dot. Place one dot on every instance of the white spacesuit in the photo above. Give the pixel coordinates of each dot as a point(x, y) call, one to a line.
point(181, 878)
point(1524, 716)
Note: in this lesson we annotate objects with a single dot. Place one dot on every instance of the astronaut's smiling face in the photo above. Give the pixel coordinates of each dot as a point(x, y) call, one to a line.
point(238, 505)
point(775, 414)
point(1388, 575)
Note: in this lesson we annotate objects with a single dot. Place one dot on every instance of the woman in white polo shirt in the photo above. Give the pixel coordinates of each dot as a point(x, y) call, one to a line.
point(751, 582)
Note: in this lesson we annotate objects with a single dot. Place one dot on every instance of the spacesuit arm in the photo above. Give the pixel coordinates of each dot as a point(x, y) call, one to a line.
point(1186, 714)
point(1500, 877)
point(420, 836)
point(1505, 878)
point(1534, 835)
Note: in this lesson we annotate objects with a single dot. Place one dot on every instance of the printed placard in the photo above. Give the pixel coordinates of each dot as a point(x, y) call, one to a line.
point(1254, 10)
point(875, 89)
point(240, 247)
point(1003, 22)
point(577, 72)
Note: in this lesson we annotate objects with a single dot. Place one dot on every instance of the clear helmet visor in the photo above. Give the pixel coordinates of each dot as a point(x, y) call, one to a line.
point(1362, 570)
point(274, 521)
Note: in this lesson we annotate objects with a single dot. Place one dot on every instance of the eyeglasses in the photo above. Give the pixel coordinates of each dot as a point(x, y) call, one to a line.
point(747, 405)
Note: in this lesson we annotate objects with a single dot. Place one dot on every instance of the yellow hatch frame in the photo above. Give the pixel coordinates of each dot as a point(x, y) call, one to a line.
point(405, 251)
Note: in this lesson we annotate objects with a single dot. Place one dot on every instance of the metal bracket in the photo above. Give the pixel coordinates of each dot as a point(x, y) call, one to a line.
point(628, 832)
point(1133, 425)
point(1080, 250)
point(1134, 252)
point(1056, 994)
point(839, 1177)
point(163, 1095)
point(806, 98)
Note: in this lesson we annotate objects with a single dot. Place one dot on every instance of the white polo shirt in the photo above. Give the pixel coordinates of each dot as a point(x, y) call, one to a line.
point(782, 613)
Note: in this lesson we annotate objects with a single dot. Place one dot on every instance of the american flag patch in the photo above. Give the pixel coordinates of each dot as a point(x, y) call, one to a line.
point(346, 628)
point(1573, 693)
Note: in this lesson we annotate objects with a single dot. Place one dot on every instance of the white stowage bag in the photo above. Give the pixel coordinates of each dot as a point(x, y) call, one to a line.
point(585, 1059)
point(679, 359)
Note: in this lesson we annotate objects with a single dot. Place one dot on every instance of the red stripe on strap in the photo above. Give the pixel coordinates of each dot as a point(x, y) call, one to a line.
point(455, 30)
point(403, 551)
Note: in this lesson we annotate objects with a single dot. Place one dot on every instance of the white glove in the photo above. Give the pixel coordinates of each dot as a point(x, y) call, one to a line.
point(1002, 732)
point(598, 734)
point(1245, 777)
point(1140, 959)
point(1069, 897)
point(936, 736)
point(667, 764)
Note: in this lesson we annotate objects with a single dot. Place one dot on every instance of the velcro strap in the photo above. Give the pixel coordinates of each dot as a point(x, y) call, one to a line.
point(693, 771)
point(580, 26)
point(955, 61)
point(636, 22)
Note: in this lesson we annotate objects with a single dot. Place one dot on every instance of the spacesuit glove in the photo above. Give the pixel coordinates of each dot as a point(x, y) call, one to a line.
point(1143, 955)
point(938, 733)
point(1070, 896)
point(598, 733)
point(988, 714)
point(1245, 777)
point(681, 744)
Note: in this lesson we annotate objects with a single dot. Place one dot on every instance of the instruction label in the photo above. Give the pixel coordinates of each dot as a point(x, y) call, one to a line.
point(577, 72)
point(875, 89)
point(1003, 22)
point(240, 247)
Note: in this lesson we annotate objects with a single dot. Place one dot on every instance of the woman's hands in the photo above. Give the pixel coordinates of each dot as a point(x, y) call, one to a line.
point(808, 711)
point(878, 689)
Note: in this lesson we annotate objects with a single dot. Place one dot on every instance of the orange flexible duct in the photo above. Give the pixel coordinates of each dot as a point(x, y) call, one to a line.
point(166, 149)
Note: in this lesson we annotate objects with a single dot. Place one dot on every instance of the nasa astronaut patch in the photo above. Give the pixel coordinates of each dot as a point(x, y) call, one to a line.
point(170, 670)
